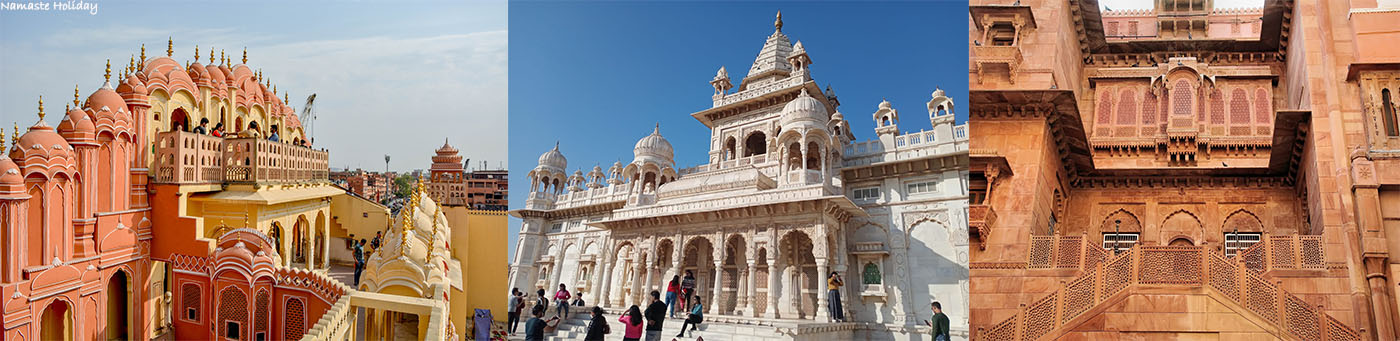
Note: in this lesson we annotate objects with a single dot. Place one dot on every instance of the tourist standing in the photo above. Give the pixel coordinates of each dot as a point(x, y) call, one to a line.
point(656, 315)
point(597, 326)
point(693, 321)
point(540, 300)
point(534, 328)
point(378, 238)
point(939, 324)
point(359, 260)
point(631, 324)
point(561, 299)
point(688, 286)
point(513, 315)
point(833, 296)
point(272, 136)
point(203, 127)
point(672, 289)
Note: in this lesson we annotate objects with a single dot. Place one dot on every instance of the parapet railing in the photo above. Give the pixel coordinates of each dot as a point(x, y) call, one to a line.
point(339, 322)
point(1064, 252)
point(1289, 252)
point(1157, 266)
point(189, 158)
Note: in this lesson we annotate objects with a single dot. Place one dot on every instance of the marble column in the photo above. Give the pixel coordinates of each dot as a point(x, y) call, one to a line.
point(774, 272)
point(751, 294)
point(605, 280)
point(712, 307)
point(651, 272)
point(636, 283)
point(823, 313)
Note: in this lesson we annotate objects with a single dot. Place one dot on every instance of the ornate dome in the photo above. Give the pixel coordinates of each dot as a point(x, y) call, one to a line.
point(938, 93)
point(884, 104)
point(553, 158)
point(9, 172)
point(105, 99)
point(804, 109)
point(42, 140)
point(654, 145)
point(132, 85)
point(76, 122)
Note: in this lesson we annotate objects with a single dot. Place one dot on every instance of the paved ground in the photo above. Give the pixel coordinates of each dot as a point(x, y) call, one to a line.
point(344, 273)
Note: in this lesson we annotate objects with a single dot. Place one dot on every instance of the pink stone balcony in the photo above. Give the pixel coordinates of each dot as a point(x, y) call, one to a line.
point(189, 158)
point(984, 56)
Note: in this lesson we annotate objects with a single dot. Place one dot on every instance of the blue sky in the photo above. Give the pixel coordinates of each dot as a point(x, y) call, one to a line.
point(598, 76)
point(391, 77)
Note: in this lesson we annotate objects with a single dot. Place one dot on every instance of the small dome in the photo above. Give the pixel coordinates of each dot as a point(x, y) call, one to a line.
point(553, 158)
point(76, 122)
point(216, 75)
point(105, 97)
point(654, 145)
point(884, 104)
point(798, 49)
point(42, 140)
point(9, 172)
point(938, 93)
point(804, 109)
point(132, 85)
point(837, 116)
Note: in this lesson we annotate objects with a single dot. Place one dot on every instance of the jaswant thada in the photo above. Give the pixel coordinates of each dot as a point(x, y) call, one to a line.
point(788, 195)
point(125, 222)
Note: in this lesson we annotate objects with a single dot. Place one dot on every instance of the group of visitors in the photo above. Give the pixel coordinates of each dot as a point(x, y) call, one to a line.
point(657, 311)
point(361, 255)
point(252, 131)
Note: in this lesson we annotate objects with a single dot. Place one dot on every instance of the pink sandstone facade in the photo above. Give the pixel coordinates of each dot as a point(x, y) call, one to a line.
point(114, 225)
point(1199, 178)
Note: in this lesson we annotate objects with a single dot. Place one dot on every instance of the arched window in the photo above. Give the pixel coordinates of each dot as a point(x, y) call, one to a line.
point(755, 144)
point(295, 317)
point(1181, 98)
point(1217, 107)
point(1262, 114)
point(1239, 112)
point(1127, 113)
point(1149, 112)
point(189, 300)
point(871, 274)
point(729, 146)
point(1105, 112)
point(1388, 112)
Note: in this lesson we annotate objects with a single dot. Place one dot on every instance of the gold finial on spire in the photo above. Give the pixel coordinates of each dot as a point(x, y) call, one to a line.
point(108, 76)
point(779, 22)
point(211, 56)
point(143, 53)
point(223, 59)
point(170, 47)
point(2, 142)
point(196, 53)
point(14, 135)
point(286, 99)
point(245, 55)
point(75, 96)
point(41, 108)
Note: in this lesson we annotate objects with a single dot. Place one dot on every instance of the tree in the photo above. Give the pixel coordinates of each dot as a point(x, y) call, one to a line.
point(403, 185)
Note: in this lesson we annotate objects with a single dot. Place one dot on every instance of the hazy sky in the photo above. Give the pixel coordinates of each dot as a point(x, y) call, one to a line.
point(390, 77)
point(598, 76)
point(1147, 4)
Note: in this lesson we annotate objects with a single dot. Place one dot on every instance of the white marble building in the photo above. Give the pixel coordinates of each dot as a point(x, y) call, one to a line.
point(786, 197)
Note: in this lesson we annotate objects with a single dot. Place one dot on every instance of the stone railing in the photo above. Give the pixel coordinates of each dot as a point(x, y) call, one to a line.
point(1290, 252)
point(189, 158)
point(340, 321)
point(744, 161)
point(764, 89)
point(1158, 266)
point(1009, 54)
point(1064, 252)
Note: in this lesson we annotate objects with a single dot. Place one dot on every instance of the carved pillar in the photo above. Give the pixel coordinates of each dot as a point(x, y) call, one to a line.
point(1366, 193)
point(823, 313)
point(598, 284)
point(751, 291)
point(636, 283)
point(775, 270)
point(651, 272)
point(712, 307)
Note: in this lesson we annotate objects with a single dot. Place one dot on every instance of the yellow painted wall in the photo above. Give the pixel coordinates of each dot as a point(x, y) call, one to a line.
point(479, 243)
point(359, 216)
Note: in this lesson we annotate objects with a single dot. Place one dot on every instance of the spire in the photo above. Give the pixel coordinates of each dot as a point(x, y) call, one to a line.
point(170, 47)
point(2, 142)
point(657, 129)
point(196, 53)
point(245, 56)
point(14, 135)
point(223, 58)
point(211, 56)
point(108, 75)
point(75, 96)
point(131, 65)
point(143, 54)
point(778, 23)
point(41, 109)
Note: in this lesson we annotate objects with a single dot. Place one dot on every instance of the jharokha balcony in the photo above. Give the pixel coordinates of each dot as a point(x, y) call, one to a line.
point(189, 158)
point(980, 219)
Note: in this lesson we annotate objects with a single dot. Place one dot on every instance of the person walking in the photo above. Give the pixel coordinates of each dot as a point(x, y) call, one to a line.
point(688, 287)
point(631, 324)
point(359, 254)
point(513, 314)
point(597, 326)
point(561, 299)
point(833, 296)
point(672, 289)
point(939, 324)
point(656, 315)
point(693, 321)
point(534, 328)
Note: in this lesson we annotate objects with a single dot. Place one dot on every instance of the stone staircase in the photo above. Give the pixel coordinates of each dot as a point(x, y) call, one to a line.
point(719, 328)
point(1108, 279)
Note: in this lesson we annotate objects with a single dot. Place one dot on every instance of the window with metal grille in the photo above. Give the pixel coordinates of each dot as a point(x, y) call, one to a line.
point(1119, 241)
point(296, 312)
point(189, 299)
point(1239, 241)
point(556, 227)
point(871, 193)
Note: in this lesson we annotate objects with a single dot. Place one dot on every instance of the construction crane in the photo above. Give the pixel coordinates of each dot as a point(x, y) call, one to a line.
point(308, 118)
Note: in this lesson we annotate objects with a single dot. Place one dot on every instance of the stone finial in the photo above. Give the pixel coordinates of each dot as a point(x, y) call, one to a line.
point(778, 23)
point(170, 47)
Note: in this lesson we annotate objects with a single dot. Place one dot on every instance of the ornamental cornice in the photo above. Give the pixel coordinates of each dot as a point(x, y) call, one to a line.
point(1200, 181)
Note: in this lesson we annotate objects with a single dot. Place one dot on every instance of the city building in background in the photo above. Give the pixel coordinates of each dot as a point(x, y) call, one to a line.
point(450, 184)
point(1184, 172)
point(787, 197)
point(374, 186)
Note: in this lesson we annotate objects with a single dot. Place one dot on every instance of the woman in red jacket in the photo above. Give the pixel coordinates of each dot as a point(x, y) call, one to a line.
point(672, 290)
